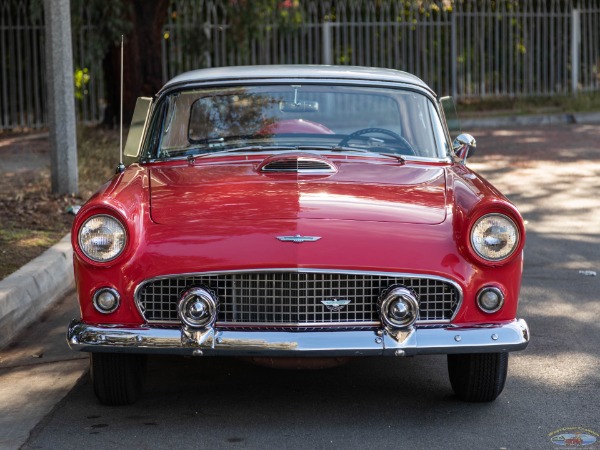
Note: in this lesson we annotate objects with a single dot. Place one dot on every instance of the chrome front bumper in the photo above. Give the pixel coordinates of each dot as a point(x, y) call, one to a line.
point(417, 341)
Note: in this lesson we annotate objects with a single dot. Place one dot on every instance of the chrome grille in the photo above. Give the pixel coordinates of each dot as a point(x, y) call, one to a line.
point(280, 299)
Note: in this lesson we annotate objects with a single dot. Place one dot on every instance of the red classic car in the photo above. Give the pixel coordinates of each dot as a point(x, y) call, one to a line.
point(297, 213)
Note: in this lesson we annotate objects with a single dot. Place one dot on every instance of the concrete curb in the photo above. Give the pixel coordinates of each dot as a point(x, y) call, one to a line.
point(28, 292)
point(533, 120)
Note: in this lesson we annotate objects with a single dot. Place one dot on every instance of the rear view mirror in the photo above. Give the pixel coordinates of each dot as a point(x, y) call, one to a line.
point(138, 127)
point(297, 107)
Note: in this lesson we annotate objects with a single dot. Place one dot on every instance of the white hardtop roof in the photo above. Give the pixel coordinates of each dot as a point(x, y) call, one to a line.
point(295, 71)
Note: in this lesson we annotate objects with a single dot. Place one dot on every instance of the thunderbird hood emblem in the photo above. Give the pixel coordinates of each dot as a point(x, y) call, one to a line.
point(298, 239)
point(335, 305)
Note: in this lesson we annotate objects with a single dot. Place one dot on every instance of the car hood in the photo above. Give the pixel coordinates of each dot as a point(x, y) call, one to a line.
point(239, 191)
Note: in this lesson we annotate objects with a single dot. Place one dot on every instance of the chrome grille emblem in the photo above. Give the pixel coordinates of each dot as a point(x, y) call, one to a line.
point(298, 239)
point(335, 305)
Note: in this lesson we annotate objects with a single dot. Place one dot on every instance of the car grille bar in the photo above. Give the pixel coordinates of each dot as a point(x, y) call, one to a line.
point(294, 298)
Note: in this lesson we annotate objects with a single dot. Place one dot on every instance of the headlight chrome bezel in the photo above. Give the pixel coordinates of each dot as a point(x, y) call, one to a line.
point(123, 232)
point(477, 248)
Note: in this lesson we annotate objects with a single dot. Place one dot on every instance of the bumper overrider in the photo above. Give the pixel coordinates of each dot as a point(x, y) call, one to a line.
point(443, 339)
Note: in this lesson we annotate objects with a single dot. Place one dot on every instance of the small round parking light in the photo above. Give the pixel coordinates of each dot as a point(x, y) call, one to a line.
point(399, 307)
point(197, 308)
point(490, 299)
point(106, 300)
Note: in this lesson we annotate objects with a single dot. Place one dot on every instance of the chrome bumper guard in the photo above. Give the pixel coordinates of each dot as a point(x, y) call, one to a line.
point(416, 341)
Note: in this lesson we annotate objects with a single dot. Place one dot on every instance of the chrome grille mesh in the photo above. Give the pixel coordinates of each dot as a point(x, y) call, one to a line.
point(294, 298)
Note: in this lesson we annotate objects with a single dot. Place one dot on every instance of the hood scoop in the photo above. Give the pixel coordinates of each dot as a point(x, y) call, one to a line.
point(297, 163)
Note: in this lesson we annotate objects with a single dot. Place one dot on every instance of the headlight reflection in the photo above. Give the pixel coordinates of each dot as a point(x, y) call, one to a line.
point(102, 238)
point(494, 237)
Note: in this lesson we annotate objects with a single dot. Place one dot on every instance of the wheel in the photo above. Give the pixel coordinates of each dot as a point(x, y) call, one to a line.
point(478, 377)
point(117, 378)
point(390, 133)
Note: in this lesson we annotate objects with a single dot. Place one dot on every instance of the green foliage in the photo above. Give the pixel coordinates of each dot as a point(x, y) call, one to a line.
point(82, 79)
point(248, 17)
point(107, 18)
point(247, 20)
point(95, 26)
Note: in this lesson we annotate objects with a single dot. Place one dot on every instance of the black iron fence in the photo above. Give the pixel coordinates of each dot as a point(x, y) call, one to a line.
point(464, 48)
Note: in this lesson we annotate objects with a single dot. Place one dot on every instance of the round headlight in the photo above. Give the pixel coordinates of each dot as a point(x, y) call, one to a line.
point(102, 238)
point(494, 237)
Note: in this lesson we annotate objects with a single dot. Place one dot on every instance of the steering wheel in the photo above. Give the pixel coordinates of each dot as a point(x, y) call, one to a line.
point(396, 136)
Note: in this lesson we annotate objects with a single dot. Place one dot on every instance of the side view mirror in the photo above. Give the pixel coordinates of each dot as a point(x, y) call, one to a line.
point(463, 146)
point(137, 128)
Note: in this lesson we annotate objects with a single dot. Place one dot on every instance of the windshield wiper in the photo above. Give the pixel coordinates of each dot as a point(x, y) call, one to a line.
point(247, 148)
point(259, 148)
point(337, 148)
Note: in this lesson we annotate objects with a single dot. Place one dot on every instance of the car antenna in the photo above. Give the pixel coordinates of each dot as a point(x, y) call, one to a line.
point(121, 166)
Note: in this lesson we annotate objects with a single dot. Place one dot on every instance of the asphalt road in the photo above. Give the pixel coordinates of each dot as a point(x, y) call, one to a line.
point(553, 175)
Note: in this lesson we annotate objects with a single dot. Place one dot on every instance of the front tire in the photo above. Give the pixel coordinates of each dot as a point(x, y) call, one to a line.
point(478, 377)
point(117, 378)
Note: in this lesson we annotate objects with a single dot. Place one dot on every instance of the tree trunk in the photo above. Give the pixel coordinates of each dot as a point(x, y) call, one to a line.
point(142, 62)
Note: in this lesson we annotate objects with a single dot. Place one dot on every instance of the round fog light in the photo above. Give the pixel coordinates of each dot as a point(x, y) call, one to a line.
point(106, 300)
point(197, 307)
point(197, 310)
point(399, 307)
point(490, 299)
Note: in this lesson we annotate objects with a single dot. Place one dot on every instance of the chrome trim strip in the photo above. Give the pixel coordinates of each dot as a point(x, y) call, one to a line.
point(295, 325)
point(136, 294)
point(328, 153)
point(507, 337)
point(313, 80)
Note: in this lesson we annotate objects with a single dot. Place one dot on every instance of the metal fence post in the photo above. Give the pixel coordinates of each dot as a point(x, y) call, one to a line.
point(327, 43)
point(61, 97)
point(575, 41)
point(453, 55)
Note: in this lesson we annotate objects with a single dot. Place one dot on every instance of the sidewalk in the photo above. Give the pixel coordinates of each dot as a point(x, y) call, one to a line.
point(37, 371)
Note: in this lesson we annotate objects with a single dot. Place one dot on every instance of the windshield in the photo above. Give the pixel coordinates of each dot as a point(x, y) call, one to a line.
point(303, 117)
